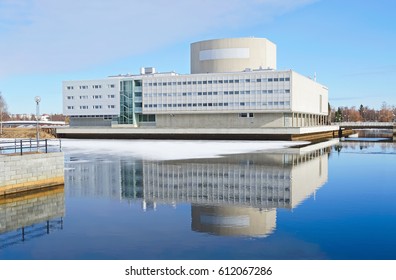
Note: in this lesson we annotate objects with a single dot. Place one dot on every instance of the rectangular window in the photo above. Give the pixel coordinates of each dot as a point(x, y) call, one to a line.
point(111, 96)
point(70, 97)
point(246, 115)
point(111, 106)
point(111, 86)
point(287, 79)
point(69, 87)
point(70, 107)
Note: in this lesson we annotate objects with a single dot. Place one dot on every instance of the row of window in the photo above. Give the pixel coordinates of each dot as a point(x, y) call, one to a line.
point(106, 117)
point(93, 86)
point(260, 175)
point(219, 104)
point(85, 107)
point(209, 82)
point(71, 97)
point(236, 92)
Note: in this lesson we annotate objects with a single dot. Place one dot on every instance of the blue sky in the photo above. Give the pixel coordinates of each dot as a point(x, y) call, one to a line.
point(349, 44)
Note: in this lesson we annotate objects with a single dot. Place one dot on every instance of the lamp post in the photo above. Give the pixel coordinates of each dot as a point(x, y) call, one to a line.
point(1, 114)
point(37, 99)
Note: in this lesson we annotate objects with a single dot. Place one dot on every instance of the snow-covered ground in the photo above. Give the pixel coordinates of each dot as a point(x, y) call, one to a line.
point(170, 149)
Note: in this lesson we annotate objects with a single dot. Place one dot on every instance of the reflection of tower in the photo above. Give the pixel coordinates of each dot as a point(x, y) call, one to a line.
point(233, 221)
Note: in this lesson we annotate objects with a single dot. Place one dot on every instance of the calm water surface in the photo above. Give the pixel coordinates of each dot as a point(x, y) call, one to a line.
point(317, 202)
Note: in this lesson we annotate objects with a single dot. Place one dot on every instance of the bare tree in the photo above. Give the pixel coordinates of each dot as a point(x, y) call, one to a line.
point(3, 111)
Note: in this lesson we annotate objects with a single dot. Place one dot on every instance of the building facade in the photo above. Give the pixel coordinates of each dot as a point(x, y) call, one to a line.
point(233, 84)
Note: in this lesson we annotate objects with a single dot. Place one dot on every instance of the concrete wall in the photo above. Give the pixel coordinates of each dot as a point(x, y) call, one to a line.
point(31, 208)
point(232, 55)
point(30, 171)
point(90, 122)
point(230, 120)
point(308, 96)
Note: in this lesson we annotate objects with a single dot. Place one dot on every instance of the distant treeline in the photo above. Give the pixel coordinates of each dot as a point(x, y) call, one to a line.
point(363, 114)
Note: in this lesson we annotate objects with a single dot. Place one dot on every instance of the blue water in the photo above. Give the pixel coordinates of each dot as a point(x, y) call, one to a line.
point(335, 202)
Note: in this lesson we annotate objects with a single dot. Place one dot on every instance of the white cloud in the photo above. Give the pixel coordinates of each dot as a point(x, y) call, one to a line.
point(50, 36)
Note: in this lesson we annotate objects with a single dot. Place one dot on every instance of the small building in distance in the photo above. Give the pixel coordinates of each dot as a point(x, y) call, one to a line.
point(234, 84)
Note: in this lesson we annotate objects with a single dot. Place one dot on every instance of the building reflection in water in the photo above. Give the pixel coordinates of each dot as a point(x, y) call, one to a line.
point(32, 214)
point(235, 195)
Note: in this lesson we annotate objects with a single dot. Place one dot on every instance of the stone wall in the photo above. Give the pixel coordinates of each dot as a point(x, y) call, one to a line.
point(30, 171)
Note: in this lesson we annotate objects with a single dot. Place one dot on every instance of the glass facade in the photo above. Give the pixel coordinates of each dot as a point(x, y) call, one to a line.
point(130, 101)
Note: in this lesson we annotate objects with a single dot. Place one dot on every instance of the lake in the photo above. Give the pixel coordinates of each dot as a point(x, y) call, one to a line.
point(212, 200)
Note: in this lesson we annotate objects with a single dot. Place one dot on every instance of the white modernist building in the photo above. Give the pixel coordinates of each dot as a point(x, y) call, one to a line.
point(233, 84)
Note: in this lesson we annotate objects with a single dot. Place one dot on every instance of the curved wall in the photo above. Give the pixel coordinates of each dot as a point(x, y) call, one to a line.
point(232, 55)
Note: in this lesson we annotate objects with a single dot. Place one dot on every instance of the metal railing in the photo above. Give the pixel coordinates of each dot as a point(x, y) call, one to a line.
point(23, 146)
point(366, 124)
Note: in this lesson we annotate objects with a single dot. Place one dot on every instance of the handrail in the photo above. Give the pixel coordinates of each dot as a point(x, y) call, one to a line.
point(21, 146)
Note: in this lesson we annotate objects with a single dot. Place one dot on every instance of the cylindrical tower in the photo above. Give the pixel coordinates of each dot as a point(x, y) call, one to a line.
point(232, 55)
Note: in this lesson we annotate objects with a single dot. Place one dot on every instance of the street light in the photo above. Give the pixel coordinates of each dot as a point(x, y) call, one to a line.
point(37, 99)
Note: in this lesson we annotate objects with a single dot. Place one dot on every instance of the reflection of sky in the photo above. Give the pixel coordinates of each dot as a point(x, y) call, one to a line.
point(353, 216)
point(350, 217)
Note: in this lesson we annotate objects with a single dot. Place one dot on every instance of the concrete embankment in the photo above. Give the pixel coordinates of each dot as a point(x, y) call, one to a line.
point(30, 171)
point(278, 133)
